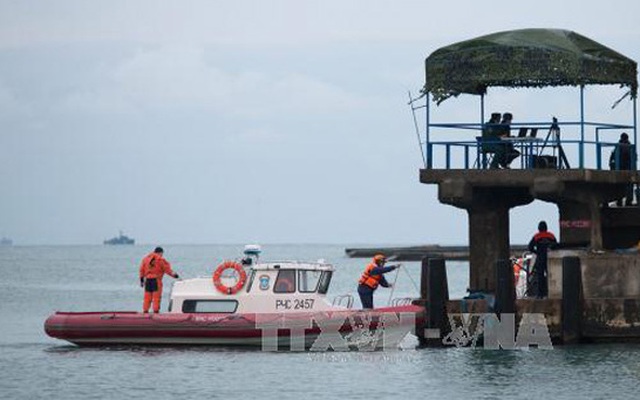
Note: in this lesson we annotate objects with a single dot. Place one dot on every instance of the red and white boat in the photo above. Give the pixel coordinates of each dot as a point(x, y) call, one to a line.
point(275, 305)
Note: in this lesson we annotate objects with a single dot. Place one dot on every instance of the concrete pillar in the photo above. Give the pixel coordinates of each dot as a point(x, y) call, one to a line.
point(581, 221)
point(575, 224)
point(596, 223)
point(620, 227)
point(488, 210)
point(488, 242)
point(580, 207)
point(571, 300)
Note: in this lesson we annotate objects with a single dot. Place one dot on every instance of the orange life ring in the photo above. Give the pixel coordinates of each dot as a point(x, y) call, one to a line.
point(217, 275)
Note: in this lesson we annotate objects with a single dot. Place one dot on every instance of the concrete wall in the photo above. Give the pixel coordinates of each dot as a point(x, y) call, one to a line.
point(605, 275)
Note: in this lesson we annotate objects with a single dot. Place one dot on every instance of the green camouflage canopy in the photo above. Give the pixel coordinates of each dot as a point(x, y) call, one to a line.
point(525, 58)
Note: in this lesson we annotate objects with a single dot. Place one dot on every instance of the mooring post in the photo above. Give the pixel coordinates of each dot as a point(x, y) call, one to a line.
point(505, 290)
point(424, 281)
point(571, 300)
point(434, 289)
point(424, 289)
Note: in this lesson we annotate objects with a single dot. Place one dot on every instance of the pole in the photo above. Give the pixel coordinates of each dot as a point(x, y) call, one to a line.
point(482, 110)
point(581, 126)
point(428, 135)
point(415, 124)
point(635, 125)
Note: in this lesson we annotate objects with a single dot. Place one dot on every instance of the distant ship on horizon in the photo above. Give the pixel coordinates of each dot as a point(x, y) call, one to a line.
point(118, 240)
point(5, 241)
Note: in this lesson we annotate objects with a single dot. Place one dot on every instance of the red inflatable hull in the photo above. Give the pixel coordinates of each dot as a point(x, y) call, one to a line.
point(125, 328)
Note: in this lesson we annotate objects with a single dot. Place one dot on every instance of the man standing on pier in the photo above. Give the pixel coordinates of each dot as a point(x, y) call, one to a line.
point(152, 269)
point(621, 159)
point(540, 245)
point(372, 278)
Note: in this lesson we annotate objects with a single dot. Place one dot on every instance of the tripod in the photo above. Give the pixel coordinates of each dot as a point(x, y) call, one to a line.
point(557, 144)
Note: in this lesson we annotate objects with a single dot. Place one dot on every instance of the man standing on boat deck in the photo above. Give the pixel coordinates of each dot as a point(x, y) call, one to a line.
point(371, 278)
point(540, 244)
point(152, 269)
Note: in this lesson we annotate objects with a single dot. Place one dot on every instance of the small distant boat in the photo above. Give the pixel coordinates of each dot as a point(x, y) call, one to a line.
point(6, 242)
point(121, 239)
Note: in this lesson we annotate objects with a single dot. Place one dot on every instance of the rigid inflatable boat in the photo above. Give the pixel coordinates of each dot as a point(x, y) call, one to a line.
point(273, 305)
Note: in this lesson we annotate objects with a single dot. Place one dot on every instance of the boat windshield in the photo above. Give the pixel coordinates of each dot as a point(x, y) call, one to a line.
point(286, 281)
point(324, 282)
point(308, 280)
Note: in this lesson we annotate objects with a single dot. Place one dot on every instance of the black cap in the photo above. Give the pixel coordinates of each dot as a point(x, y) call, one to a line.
point(158, 250)
point(624, 136)
point(542, 226)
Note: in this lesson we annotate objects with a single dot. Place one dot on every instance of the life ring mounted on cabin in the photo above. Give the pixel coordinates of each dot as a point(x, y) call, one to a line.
point(217, 277)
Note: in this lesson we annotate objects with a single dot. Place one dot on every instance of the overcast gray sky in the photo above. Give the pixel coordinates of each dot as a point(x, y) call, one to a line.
point(243, 121)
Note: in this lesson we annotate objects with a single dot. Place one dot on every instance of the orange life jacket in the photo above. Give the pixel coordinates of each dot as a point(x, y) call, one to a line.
point(517, 267)
point(154, 266)
point(369, 280)
point(546, 235)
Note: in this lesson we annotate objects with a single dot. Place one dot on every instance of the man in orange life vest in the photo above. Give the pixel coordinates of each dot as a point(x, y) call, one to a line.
point(152, 269)
point(540, 244)
point(371, 278)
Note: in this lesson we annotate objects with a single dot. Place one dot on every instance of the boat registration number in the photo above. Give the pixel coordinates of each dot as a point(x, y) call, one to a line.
point(302, 304)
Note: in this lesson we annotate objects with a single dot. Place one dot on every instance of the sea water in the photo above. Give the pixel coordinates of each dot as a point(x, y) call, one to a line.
point(36, 281)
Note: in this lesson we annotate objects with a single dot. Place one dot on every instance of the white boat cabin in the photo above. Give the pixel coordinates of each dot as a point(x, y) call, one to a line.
point(271, 287)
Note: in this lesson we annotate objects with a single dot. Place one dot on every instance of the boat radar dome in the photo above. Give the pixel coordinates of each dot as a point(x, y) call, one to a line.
point(252, 250)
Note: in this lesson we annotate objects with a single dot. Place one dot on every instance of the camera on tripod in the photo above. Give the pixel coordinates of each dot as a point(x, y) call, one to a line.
point(553, 140)
point(558, 158)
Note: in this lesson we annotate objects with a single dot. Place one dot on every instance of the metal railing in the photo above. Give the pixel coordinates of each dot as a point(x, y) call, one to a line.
point(581, 147)
point(546, 150)
point(344, 298)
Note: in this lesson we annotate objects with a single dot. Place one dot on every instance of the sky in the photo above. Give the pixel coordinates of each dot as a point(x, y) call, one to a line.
point(248, 121)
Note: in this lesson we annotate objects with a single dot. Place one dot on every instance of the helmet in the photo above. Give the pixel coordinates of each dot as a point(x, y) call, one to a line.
point(378, 258)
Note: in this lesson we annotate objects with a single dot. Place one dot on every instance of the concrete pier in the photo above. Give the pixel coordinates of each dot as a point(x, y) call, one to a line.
point(488, 195)
point(600, 300)
point(602, 288)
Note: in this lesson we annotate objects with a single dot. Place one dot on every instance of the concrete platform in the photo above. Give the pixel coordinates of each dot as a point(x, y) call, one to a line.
point(488, 195)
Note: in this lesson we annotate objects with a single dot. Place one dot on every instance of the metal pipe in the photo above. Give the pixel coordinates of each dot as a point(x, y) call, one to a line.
point(581, 126)
point(417, 128)
point(482, 110)
point(598, 150)
point(635, 125)
point(448, 155)
point(427, 133)
point(482, 127)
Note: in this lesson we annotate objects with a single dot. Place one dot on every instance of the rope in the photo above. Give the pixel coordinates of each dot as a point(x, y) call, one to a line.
point(415, 286)
point(393, 285)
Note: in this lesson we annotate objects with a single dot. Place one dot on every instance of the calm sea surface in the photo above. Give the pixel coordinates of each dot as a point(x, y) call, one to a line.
point(36, 281)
